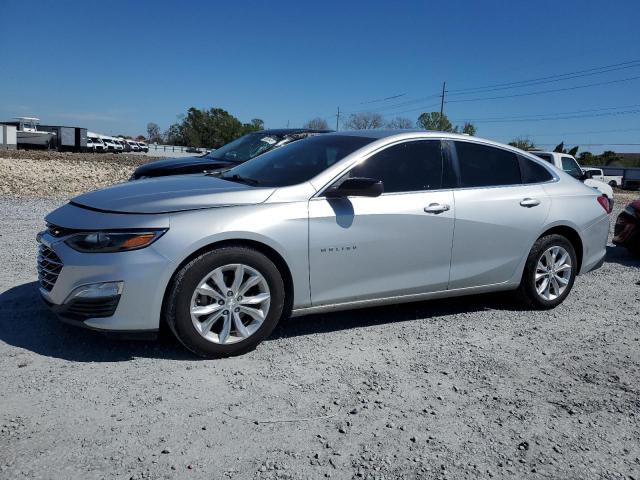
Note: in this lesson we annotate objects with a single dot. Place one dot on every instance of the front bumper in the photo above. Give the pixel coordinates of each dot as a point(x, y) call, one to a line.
point(145, 274)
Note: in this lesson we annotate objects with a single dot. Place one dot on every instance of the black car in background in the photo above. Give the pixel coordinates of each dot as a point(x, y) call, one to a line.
point(239, 151)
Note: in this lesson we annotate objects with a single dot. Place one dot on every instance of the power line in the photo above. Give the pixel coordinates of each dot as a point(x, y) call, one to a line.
point(550, 78)
point(559, 115)
point(540, 92)
point(589, 132)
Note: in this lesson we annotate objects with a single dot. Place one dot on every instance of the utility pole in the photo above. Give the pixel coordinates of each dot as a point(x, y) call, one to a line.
point(442, 104)
point(338, 120)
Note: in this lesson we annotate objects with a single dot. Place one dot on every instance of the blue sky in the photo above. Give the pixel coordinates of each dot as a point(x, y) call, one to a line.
point(115, 66)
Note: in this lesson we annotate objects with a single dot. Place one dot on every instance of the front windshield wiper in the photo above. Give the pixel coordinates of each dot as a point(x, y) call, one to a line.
point(237, 178)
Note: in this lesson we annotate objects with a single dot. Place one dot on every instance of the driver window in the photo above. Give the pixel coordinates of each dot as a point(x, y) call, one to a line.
point(412, 166)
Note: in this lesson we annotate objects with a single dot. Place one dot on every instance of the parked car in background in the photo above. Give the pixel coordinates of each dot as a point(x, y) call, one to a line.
point(627, 228)
point(613, 176)
point(232, 154)
point(568, 164)
point(90, 147)
point(98, 144)
point(143, 147)
point(131, 146)
point(109, 144)
point(331, 222)
point(594, 173)
point(193, 150)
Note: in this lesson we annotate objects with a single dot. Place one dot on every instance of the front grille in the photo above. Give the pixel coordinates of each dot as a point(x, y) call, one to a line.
point(49, 267)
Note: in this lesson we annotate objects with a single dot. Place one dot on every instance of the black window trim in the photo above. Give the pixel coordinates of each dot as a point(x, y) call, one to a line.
point(456, 165)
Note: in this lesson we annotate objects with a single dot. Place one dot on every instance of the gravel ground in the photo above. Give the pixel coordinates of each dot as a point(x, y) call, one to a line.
point(51, 174)
point(465, 388)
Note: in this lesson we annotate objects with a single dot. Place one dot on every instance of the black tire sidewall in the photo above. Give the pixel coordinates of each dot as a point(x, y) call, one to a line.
point(187, 279)
point(528, 282)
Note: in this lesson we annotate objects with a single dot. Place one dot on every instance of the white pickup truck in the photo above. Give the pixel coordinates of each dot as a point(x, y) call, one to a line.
point(569, 165)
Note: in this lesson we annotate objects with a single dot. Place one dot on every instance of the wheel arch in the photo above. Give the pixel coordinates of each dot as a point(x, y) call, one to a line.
point(268, 251)
point(572, 236)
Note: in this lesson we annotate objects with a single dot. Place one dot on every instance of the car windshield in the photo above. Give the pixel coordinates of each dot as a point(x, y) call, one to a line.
point(297, 162)
point(246, 147)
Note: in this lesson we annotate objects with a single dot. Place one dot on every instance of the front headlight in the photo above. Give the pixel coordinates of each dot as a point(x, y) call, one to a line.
point(106, 242)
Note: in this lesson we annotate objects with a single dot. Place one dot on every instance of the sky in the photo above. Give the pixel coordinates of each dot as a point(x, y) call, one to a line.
point(113, 67)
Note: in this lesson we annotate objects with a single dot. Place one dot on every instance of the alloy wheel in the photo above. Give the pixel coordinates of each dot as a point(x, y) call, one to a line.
point(553, 273)
point(230, 304)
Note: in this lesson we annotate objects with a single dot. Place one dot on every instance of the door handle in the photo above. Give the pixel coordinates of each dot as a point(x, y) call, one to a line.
point(529, 202)
point(436, 208)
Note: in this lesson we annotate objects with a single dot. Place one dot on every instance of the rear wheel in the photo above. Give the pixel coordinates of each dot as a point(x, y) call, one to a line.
point(225, 302)
point(549, 273)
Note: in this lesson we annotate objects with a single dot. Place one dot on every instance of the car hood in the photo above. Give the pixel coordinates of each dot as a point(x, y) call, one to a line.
point(172, 194)
point(176, 164)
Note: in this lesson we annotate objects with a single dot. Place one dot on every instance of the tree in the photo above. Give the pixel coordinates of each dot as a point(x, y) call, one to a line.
point(317, 124)
point(364, 121)
point(208, 128)
point(433, 121)
point(469, 128)
point(522, 143)
point(610, 158)
point(400, 122)
point(153, 133)
point(560, 149)
point(258, 124)
point(587, 158)
point(140, 138)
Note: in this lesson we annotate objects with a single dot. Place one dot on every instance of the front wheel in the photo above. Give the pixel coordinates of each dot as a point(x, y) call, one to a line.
point(225, 302)
point(549, 272)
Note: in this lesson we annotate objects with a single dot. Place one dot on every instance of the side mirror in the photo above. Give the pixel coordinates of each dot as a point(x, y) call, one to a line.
point(356, 187)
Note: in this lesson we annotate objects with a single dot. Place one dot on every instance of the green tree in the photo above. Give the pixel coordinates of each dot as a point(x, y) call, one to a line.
point(209, 128)
point(469, 128)
point(522, 143)
point(433, 121)
point(560, 148)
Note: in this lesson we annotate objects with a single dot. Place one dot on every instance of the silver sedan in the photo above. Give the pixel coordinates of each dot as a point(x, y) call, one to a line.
point(333, 222)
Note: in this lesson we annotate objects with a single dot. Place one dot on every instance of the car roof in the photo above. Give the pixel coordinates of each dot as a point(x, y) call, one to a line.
point(291, 131)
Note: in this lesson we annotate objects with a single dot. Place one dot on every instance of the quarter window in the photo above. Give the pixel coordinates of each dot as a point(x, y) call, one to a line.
point(407, 167)
point(533, 172)
point(484, 166)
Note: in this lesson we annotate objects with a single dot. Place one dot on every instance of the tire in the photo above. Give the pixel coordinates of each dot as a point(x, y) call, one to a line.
point(224, 337)
point(613, 183)
point(528, 293)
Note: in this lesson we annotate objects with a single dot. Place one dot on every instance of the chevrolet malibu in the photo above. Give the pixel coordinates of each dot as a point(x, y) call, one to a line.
point(332, 222)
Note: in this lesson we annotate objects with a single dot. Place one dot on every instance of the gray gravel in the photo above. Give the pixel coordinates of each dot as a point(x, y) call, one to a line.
point(470, 387)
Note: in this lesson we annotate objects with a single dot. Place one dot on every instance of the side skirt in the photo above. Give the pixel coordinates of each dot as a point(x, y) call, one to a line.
point(418, 297)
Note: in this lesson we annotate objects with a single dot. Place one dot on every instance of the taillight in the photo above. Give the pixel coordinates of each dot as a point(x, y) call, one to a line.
point(604, 203)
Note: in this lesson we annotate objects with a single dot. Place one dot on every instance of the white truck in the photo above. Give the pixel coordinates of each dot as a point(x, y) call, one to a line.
point(569, 165)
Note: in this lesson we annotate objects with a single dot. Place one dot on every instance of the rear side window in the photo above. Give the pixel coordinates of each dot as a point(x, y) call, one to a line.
point(484, 166)
point(407, 167)
point(533, 172)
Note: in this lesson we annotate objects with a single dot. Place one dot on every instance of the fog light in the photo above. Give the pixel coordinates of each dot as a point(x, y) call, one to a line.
point(96, 290)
